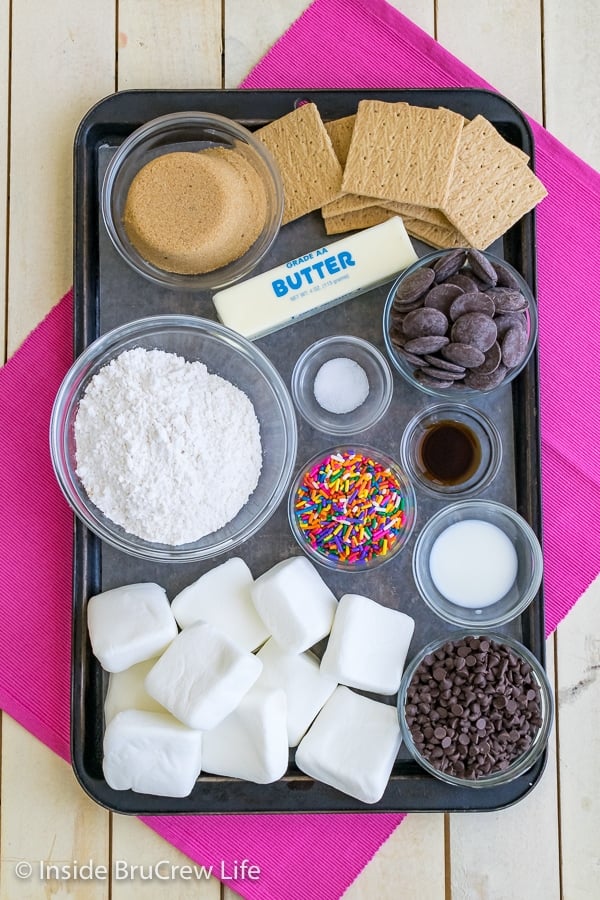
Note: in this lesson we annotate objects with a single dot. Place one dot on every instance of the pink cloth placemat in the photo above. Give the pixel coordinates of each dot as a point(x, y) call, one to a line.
point(372, 45)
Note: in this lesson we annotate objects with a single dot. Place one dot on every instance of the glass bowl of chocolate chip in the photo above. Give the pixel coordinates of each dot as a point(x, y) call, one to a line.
point(460, 322)
point(475, 710)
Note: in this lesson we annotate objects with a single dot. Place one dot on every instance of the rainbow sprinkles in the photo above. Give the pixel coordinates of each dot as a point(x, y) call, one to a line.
point(351, 508)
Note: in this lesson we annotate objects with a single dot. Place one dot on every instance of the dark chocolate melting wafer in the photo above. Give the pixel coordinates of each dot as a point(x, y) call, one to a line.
point(441, 297)
point(429, 344)
point(414, 286)
point(424, 322)
point(449, 264)
point(482, 267)
point(474, 301)
point(475, 329)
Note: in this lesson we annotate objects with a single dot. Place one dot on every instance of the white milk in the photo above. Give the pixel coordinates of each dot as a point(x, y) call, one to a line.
point(473, 563)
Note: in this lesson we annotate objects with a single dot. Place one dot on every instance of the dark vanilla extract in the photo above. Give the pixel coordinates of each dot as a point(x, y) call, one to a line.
point(449, 453)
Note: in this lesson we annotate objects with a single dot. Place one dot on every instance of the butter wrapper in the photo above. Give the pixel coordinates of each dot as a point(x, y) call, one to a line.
point(317, 280)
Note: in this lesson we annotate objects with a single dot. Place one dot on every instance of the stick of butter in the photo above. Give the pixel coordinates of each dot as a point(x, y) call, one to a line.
point(319, 279)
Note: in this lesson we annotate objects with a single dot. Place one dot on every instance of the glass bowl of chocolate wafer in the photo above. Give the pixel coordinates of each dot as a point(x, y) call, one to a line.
point(475, 710)
point(460, 322)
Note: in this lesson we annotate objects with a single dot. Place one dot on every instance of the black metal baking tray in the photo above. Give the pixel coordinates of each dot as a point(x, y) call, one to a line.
point(108, 293)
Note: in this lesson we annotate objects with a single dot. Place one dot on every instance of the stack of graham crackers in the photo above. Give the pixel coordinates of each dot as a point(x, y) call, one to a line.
point(454, 182)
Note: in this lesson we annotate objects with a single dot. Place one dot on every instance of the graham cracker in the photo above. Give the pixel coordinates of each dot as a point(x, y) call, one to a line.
point(340, 132)
point(435, 235)
point(348, 203)
point(310, 170)
point(492, 187)
point(424, 213)
point(352, 202)
point(402, 153)
point(359, 218)
point(520, 153)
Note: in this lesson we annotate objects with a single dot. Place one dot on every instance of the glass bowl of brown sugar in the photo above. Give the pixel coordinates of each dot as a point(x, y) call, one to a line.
point(192, 200)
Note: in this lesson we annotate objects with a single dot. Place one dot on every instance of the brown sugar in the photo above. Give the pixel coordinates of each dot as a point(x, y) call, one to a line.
point(194, 212)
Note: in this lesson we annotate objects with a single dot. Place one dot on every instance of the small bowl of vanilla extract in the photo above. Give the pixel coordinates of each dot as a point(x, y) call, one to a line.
point(451, 449)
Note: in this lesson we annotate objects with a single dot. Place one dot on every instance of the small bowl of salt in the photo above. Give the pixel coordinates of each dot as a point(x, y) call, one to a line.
point(342, 385)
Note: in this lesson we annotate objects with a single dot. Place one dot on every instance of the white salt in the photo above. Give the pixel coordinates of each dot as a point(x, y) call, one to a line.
point(341, 385)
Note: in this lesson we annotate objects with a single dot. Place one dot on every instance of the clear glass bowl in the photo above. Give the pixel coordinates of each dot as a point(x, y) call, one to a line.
point(409, 508)
point(529, 563)
point(374, 365)
point(189, 131)
point(224, 353)
point(456, 391)
point(521, 763)
point(483, 438)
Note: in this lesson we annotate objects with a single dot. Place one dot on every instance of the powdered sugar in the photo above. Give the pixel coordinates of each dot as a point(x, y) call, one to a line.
point(165, 449)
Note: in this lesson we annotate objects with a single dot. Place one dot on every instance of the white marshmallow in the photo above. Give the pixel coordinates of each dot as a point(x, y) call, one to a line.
point(126, 691)
point(368, 645)
point(306, 688)
point(352, 745)
point(294, 603)
point(151, 753)
point(130, 624)
point(222, 598)
point(251, 743)
point(202, 676)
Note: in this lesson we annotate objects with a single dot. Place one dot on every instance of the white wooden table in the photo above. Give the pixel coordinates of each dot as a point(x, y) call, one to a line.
point(56, 59)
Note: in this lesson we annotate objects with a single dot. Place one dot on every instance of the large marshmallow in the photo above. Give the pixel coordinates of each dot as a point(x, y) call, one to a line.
point(130, 624)
point(202, 676)
point(352, 745)
point(151, 753)
point(222, 598)
point(295, 604)
point(368, 645)
point(251, 743)
point(126, 691)
point(306, 687)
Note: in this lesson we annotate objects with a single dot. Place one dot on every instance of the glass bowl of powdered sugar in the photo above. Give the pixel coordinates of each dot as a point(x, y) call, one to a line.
point(173, 438)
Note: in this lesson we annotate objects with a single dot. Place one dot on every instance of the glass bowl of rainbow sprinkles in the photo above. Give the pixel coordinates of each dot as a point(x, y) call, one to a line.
point(351, 508)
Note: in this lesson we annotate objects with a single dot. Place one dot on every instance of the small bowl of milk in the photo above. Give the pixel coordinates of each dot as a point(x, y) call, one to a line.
point(477, 562)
